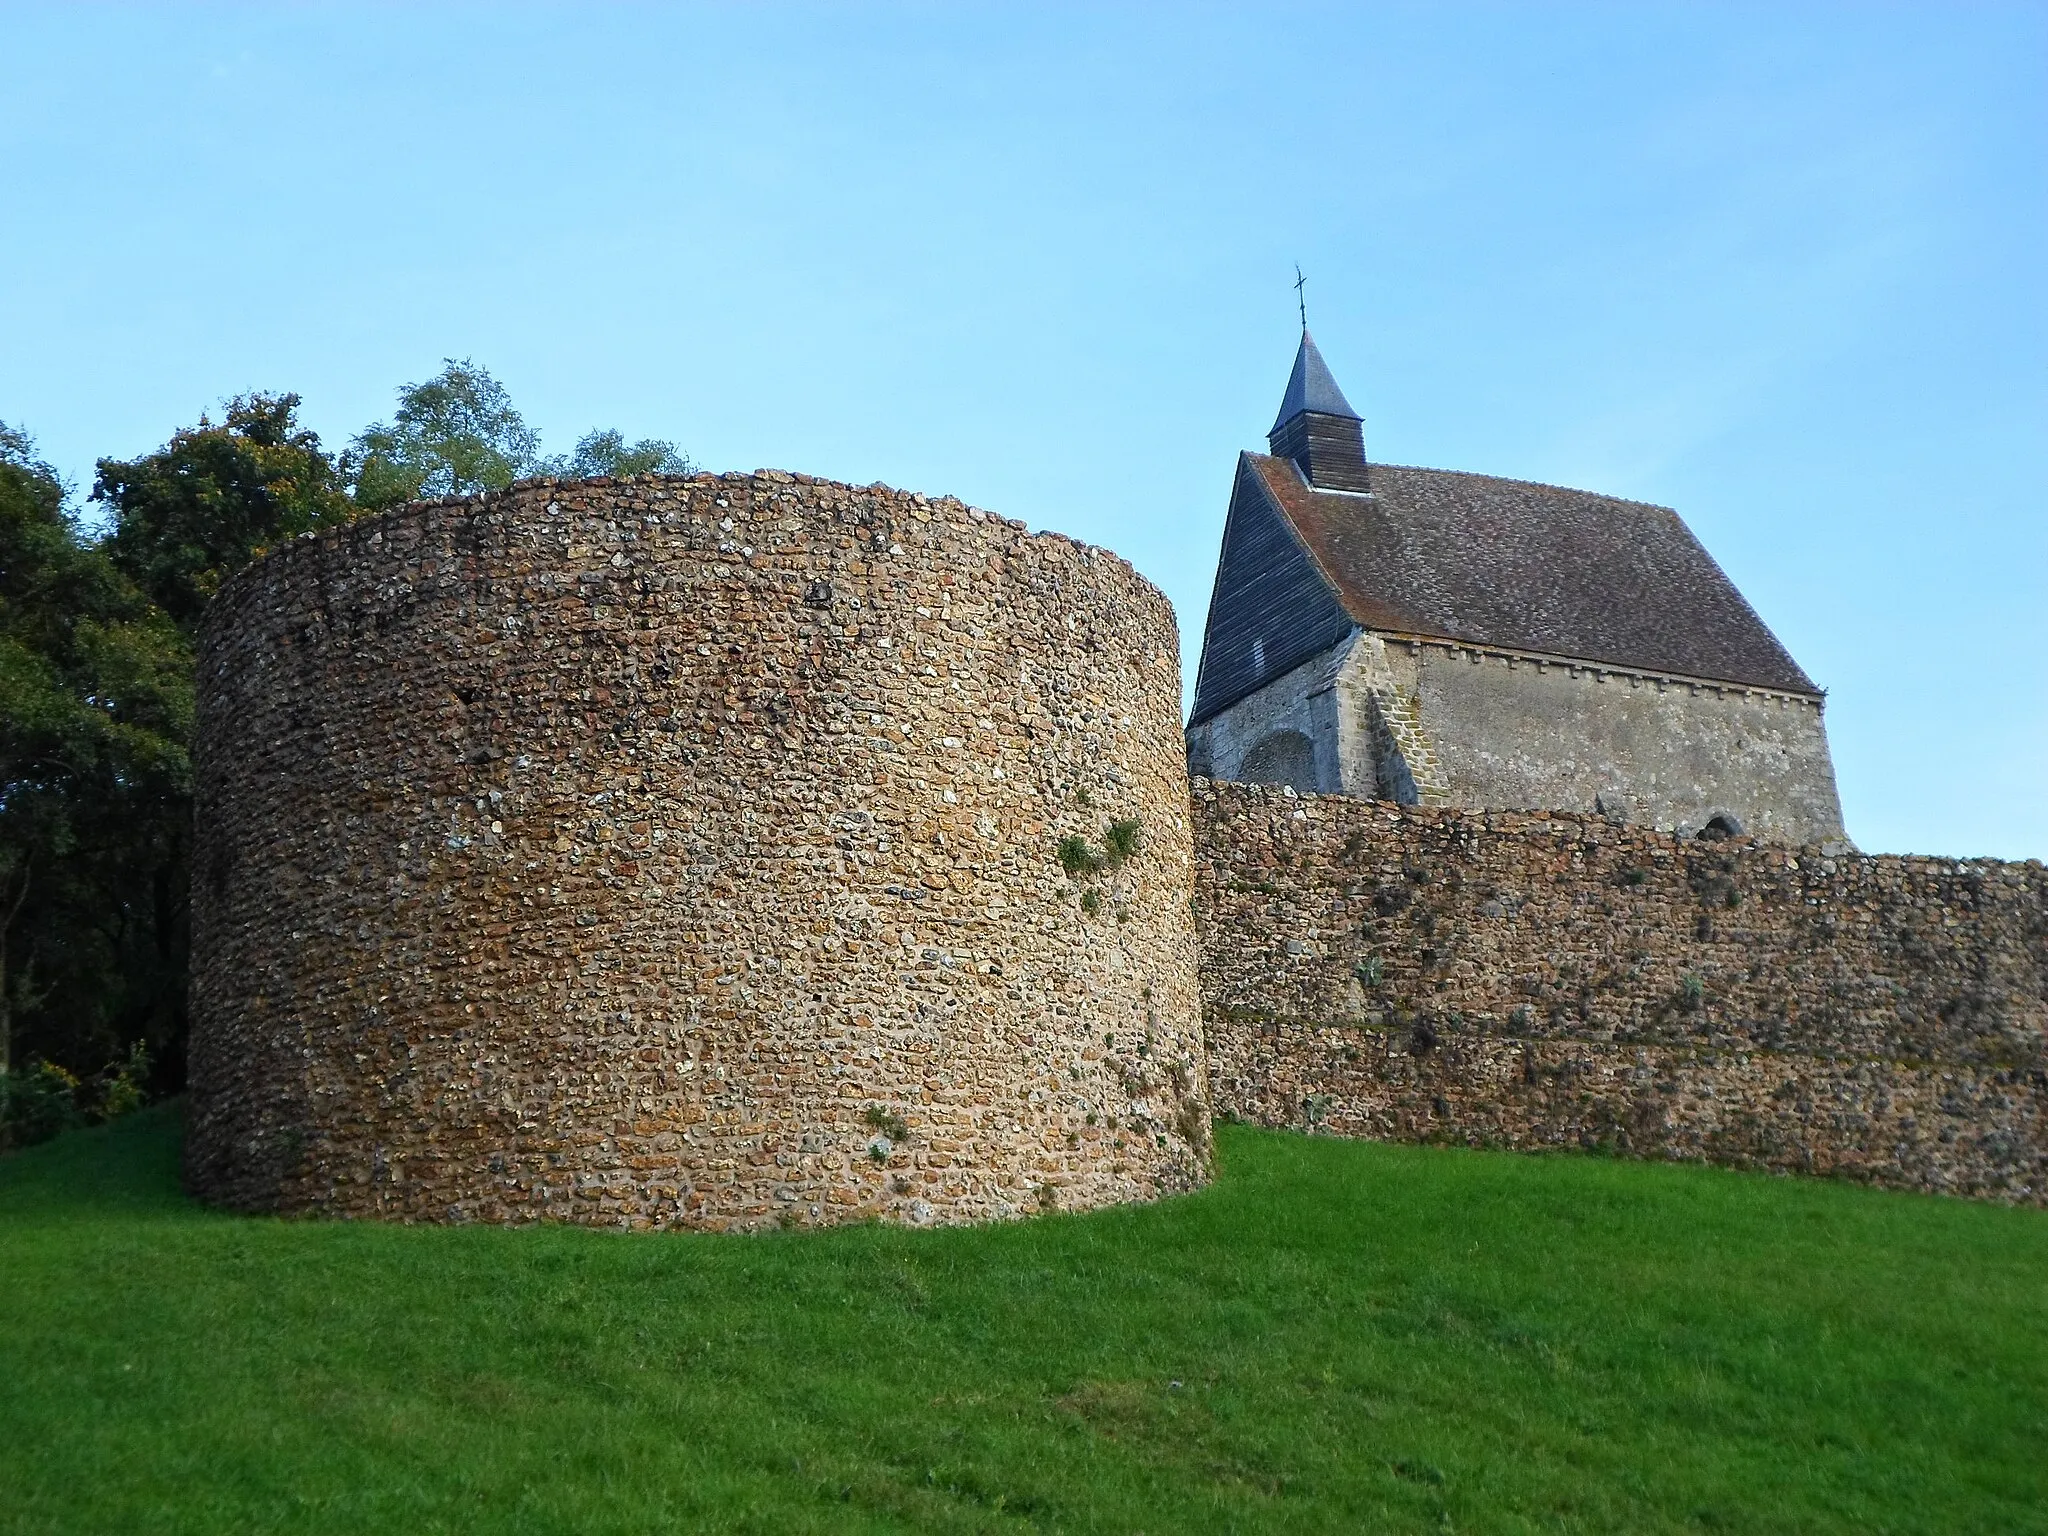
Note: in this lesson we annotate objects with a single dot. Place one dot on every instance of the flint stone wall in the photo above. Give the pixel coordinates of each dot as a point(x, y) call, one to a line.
point(683, 852)
point(1534, 980)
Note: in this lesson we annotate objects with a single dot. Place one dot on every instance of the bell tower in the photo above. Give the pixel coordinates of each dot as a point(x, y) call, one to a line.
point(1317, 429)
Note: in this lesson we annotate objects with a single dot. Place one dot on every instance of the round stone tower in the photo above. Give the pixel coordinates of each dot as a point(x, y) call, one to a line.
point(718, 852)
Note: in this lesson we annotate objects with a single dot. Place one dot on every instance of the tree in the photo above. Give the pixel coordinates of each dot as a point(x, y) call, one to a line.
point(203, 506)
point(97, 639)
point(454, 435)
point(459, 433)
point(95, 713)
point(185, 518)
point(606, 452)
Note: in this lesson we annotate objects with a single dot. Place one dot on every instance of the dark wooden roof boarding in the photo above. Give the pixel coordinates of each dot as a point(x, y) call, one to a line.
point(1530, 567)
point(1439, 554)
point(1271, 608)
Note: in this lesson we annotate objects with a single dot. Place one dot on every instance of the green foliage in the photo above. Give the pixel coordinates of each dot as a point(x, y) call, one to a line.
point(95, 712)
point(890, 1124)
point(606, 452)
point(1365, 1338)
point(190, 515)
point(96, 682)
point(97, 657)
point(1692, 991)
point(37, 1104)
point(459, 433)
point(1091, 901)
point(1370, 971)
point(1121, 839)
point(123, 1086)
point(45, 1100)
point(1076, 857)
point(454, 435)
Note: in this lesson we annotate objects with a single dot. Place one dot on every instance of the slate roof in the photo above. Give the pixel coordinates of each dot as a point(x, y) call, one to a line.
point(1507, 563)
point(1311, 387)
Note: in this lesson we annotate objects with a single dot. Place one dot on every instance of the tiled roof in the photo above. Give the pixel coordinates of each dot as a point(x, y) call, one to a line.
point(1527, 567)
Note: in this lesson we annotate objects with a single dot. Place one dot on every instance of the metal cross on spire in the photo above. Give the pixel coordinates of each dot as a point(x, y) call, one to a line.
point(1300, 296)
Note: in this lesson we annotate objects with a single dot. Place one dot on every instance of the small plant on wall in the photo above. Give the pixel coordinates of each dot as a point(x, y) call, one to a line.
point(1077, 858)
point(1121, 841)
point(890, 1124)
point(1081, 860)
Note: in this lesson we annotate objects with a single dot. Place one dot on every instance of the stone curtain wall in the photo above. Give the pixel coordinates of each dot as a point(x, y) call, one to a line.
point(1550, 980)
point(685, 852)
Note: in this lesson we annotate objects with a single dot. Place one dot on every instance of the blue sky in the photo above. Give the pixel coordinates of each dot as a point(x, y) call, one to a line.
point(1780, 267)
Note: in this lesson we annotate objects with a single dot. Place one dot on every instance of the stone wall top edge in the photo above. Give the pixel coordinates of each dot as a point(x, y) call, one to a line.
point(1421, 640)
point(423, 512)
point(1582, 825)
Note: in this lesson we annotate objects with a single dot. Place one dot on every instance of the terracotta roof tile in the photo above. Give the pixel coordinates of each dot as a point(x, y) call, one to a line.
point(1532, 568)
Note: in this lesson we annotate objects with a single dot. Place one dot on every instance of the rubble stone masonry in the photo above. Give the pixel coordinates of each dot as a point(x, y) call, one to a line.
point(1535, 980)
point(687, 852)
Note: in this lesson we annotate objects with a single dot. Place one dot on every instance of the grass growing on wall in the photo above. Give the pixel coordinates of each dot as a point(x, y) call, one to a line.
point(1337, 1337)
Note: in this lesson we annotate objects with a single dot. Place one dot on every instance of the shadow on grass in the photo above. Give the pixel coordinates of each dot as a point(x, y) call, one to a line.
point(129, 1167)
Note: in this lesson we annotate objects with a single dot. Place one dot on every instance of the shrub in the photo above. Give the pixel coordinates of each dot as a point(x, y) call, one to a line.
point(37, 1104)
point(1371, 971)
point(121, 1089)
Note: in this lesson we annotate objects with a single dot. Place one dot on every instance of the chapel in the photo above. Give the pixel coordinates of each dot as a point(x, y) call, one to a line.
point(1432, 637)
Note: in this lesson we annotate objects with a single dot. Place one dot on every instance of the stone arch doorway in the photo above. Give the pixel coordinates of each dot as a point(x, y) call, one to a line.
point(1281, 758)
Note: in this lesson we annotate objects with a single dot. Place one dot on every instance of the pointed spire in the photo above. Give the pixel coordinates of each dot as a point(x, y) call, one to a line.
point(1311, 388)
point(1317, 428)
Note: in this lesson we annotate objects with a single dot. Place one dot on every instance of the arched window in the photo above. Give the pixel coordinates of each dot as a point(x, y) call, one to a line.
point(1285, 757)
point(1720, 826)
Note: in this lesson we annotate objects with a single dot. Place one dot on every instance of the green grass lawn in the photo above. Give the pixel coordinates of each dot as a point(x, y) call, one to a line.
point(1336, 1337)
